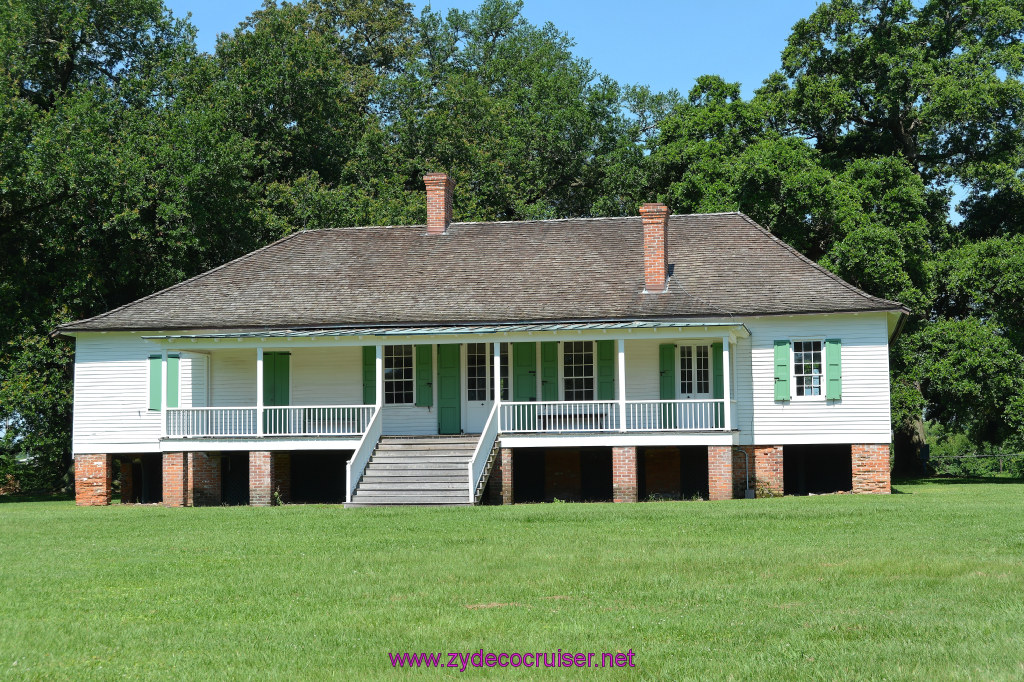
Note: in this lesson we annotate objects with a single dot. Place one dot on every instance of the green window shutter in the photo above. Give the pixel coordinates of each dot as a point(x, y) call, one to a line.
point(524, 371)
point(276, 373)
point(369, 375)
point(424, 376)
point(667, 383)
point(833, 369)
point(717, 377)
point(667, 366)
point(606, 370)
point(155, 381)
point(549, 370)
point(172, 380)
point(782, 369)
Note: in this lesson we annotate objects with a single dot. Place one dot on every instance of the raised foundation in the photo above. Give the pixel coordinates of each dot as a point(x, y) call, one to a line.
point(719, 472)
point(281, 477)
point(204, 476)
point(126, 477)
point(260, 465)
point(768, 469)
point(94, 480)
point(175, 476)
point(624, 479)
point(871, 468)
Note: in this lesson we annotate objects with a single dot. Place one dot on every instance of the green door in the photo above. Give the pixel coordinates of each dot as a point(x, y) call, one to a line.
point(449, 397)
point(276, 370)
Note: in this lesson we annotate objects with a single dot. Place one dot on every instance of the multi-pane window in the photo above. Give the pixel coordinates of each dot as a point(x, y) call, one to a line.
point(398, 375)
point(694, 370)
point(807, 368)
point(480, 371)
point(578, 372)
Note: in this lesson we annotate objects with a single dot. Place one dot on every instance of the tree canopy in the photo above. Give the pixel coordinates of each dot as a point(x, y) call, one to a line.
point(887, 146)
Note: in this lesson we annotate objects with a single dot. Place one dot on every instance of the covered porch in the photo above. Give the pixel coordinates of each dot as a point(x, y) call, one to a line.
point(344, 389)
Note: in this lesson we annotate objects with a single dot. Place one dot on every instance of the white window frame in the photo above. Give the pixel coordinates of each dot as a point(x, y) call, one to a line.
point(384, 361)
point(793, 375)
point(679, 370)
point(561, 370)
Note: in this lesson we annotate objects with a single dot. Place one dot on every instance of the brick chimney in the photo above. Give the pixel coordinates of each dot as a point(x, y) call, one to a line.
point(655, 219)
point(439, 202)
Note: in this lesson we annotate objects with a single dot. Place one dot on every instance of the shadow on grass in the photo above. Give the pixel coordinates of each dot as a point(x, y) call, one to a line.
point(36, 497)
point(961, 480)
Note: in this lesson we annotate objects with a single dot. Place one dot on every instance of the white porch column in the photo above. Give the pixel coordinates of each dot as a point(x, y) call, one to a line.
point(259, 390)
point(727, 412)
point(622, 384)
point(379, 384)
point(497, 381)
point(163, 394)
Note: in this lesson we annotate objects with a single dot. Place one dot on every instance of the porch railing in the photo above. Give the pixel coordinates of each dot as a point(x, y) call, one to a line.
point(208, 422)
point(478, 464)
point(318, 420)
point(675, 415)
point(563, 417)
point(356, 465)
point(605, 415)
point(234, 422)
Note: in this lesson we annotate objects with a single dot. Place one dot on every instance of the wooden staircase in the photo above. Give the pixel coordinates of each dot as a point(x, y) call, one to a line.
point(417, 470)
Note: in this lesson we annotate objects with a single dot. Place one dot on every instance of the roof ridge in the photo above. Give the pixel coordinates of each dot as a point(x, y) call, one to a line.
point(183, 282)
point(816, 266)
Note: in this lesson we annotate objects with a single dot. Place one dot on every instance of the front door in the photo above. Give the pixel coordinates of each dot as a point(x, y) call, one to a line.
point(449, 400)
point(695, 384)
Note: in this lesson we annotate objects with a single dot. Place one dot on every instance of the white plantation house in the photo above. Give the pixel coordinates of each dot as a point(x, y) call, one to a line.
point(455, 363)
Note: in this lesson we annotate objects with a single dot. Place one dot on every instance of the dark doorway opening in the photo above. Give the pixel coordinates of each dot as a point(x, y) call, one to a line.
point(234, 479)
point(569, 474)
point(672, 473)
point(318, 476)
point(147, 480)
point(816, 469)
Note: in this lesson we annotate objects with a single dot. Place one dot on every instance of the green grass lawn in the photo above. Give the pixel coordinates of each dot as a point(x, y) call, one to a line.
point(927, 584)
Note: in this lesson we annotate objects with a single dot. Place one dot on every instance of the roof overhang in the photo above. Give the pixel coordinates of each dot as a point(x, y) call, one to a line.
point(538, 329)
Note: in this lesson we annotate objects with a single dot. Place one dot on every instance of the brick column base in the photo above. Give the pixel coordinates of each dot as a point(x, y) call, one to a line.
point(740, 457)
point(492, 492)
point(719, 472)
point(871, 468)
point(504, 466)
point(94, 480)
point(768, 469)
point(175, 475)
point(281, 476)
point(259, 478)
point(624, 481)
point(127, 479)
point(205, 479)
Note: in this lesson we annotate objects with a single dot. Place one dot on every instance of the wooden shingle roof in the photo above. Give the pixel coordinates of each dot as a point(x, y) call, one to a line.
point(722, 265)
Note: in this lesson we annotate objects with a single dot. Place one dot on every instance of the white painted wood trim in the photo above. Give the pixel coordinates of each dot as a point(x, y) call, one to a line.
point(259, 390)
point(622, 383)
point(726, 389)
point(379, 369)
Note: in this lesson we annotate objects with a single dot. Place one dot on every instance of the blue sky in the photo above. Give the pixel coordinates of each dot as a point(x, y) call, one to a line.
point(663, 44)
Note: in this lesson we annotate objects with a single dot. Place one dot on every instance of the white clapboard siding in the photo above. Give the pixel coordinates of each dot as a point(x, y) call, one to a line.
point(862, 416)
point(642, 370)
point(327, 376)
point(233, 378)
point(193, 387)
point(111, 404)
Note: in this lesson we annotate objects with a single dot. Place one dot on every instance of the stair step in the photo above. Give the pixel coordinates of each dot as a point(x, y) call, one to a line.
point(428, 440)
point(420, 499)
point(438, 466)
point(356, 505)
point(414, 485)
point(421, 459)
point(416, 478)
point(421, 446)
point(414, 492)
